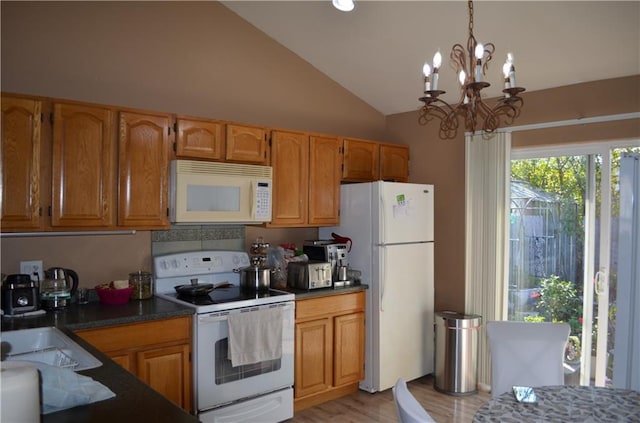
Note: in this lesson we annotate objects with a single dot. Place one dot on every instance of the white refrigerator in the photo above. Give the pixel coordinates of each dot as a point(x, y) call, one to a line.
point(391, 228)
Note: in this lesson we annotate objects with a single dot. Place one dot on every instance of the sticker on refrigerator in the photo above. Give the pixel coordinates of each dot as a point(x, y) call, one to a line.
point(402, 208)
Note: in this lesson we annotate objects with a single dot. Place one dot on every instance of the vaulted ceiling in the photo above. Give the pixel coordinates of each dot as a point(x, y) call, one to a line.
point(377, 50)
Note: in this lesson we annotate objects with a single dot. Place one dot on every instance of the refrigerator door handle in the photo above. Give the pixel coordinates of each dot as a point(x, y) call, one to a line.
point(382, 237)
point(382, 278)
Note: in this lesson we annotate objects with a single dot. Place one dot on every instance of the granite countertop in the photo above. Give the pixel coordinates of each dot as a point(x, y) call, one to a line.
point(134, 400)
point(303, 294)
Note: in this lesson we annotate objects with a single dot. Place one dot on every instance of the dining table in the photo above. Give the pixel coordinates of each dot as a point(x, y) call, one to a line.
point(566, 403)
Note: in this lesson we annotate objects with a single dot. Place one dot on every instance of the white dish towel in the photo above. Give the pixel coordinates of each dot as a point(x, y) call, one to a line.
point(255, 336)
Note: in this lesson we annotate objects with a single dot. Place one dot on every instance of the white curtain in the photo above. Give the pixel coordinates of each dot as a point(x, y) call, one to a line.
point(626, 363)
point(487, 218)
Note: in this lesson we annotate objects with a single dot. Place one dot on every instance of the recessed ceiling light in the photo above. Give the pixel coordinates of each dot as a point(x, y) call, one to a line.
point(343, 5)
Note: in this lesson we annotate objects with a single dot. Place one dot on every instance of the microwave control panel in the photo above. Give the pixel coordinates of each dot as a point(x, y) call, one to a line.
point(263, 200)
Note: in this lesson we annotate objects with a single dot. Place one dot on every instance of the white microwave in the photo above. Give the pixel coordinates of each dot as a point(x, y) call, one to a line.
point(212, 192)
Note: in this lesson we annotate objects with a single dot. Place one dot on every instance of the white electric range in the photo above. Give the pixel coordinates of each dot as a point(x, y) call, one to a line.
point(260, 391)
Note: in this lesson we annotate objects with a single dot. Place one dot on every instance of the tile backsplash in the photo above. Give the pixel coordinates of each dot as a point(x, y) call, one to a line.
point(197, 237)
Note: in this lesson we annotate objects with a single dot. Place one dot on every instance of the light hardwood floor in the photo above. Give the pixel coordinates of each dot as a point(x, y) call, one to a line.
point(363, 407)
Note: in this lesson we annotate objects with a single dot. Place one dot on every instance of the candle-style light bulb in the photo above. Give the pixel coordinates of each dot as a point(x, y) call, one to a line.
point(512, 71)
point(437, 61)
point(426, 70)
point(505, 69)
point(479, 53)
point(462, 76)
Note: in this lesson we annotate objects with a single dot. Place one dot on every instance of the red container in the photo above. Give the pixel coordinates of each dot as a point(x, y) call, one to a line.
point(114, 296)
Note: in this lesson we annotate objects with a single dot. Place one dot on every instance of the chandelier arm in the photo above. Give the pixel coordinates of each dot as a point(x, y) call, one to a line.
point(489, 49)
point(434, 108)
point(490, 119)
point(458, 58)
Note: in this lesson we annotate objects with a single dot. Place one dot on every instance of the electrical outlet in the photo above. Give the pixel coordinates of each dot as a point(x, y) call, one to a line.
point(32, 268)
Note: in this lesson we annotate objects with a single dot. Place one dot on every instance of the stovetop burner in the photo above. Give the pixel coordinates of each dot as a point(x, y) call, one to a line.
point(228, 295)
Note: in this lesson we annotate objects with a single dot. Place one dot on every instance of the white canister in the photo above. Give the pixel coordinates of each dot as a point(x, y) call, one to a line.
point(20, 392)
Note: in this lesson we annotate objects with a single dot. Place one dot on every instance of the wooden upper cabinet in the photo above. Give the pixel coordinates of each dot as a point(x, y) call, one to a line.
point(20, 161)
point(247, 144)
point(324, 180)
point(144, 145)
point(200, 138)
point(290, 161)
point(83, 166)
point(394, 162)
point(361, 161)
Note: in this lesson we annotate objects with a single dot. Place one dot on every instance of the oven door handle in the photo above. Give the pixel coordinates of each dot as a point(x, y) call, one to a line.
point(210, 318)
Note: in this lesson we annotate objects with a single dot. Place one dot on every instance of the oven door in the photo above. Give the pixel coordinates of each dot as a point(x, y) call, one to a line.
point(218, 382)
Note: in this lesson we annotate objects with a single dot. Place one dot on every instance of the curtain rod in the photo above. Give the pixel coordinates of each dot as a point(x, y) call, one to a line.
point(579, 121)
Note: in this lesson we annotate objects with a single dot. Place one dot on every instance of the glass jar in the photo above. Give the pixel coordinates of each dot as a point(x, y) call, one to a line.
point(142, 285)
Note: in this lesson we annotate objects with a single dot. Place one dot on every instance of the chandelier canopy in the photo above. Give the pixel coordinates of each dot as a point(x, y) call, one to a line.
point(470, 65)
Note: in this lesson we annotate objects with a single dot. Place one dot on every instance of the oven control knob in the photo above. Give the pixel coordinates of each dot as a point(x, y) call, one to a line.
point(163, 265)
point(174, 264)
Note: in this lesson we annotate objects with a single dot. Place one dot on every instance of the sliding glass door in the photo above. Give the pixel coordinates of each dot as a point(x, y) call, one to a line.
point(563, 261)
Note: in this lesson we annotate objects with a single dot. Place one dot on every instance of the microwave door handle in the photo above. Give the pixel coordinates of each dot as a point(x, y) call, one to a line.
point(251, 203)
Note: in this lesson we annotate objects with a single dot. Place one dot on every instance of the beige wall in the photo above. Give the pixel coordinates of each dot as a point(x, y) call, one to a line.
point(96, 259)
point(442, 162)
point(194, 58)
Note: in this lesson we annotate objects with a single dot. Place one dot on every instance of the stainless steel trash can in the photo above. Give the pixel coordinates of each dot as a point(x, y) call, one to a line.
point(456, 352)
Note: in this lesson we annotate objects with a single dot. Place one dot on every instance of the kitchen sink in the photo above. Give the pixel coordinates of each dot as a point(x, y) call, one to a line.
point(47, 345)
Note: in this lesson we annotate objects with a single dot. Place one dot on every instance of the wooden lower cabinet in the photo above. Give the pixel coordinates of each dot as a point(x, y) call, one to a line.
point(329, 348)
point(157, 352)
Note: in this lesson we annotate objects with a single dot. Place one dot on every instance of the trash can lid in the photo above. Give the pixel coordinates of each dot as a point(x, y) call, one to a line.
point(453, 318)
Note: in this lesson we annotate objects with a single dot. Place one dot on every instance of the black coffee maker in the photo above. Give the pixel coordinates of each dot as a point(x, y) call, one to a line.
point(20, 294)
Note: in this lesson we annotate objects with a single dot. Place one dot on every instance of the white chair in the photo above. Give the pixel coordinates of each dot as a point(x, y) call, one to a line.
point(409, 409)
point(526, 354)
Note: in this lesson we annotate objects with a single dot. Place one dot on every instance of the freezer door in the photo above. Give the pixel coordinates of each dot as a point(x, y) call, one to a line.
point(405, 306)
point(405, 212)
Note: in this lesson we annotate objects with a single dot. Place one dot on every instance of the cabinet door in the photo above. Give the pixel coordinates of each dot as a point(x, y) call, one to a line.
point(247, 144)
point(361, 161)
point(20, 161)
point(124, 359)
point(83, 163)
point(394, 163)
point(324, 180)
point(144, 166)
point(348, 344)
point(167, 371)
point(290, 159)
point(313, 357)
point(199, 138)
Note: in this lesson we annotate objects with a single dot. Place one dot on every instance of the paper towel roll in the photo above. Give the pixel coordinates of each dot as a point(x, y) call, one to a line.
point(20, 392)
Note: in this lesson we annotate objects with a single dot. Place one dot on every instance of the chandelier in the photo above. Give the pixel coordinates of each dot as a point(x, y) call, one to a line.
point(470, 65)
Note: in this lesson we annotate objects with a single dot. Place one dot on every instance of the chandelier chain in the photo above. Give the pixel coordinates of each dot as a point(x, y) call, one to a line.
point(470, 18)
